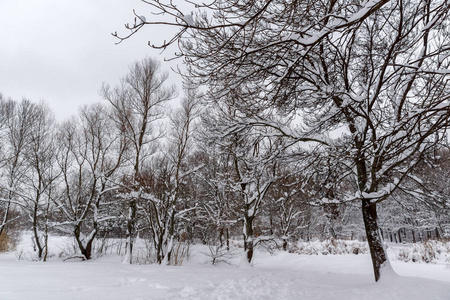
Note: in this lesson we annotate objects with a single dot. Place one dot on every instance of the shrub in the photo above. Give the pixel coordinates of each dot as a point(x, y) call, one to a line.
point(8, 241)
point(331, 246)
point(179, 252)
point(429, 252)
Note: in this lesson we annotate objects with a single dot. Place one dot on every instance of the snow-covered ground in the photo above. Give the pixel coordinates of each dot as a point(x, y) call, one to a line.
point(279, 276)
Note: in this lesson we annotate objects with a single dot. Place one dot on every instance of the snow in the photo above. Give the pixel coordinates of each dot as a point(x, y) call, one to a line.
point(189, 19)
point(279, 276)
point(142, 20)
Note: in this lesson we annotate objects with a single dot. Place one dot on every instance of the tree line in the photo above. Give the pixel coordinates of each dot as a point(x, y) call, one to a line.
point(115, 170)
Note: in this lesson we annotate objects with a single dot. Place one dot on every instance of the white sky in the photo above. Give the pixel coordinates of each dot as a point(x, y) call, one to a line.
point(61, 51)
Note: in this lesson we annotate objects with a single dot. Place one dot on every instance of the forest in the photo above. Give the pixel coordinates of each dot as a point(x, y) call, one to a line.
point(298, 121)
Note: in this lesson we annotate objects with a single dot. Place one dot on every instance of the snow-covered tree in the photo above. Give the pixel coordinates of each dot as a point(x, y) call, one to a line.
point(287, 208)
point(218, 207)
point(251, 162)
point(90, 155)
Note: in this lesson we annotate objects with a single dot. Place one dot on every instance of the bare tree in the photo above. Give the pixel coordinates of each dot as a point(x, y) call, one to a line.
point(5, 114)
point(180, 145)
point(38, 181)
point(166, 198)
point(16, 136)
point(90, 155)
point(138, 104)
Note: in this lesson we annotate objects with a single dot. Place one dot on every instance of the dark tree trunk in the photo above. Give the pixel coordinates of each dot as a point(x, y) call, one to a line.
point(171, 235)
point(221, 237)
point(377, 252)
point(159, 248)
point(85, 248)
point(249, 247)
point(248, 237)
point(130, 231)
point(88, 250)
point(438, 236)
point(40, 248)
point(271, 223)
point(228, 239)
point(285, 243)
point(46, 231)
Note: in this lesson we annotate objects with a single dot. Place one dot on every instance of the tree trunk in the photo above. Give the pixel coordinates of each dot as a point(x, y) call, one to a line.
point(228, 239)
point(88, 250)
point(84, 245)
point(271, 223)
point(248, 237)
point(46, 231)
point(378, 254)
point(130, 232)
point(39, 246)
point(438, 236)
point(221, 237)
point(171, 236)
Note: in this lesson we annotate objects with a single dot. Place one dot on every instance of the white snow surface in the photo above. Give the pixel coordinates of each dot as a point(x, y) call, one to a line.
point(279, 276)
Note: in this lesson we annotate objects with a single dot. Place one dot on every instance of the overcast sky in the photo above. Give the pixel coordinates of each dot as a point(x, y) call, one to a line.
point(61, 51)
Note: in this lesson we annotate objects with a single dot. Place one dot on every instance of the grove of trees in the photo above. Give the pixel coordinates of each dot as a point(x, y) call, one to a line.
point(376, 70)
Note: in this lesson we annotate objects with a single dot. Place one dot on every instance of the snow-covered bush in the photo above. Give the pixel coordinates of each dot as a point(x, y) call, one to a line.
point(429, 252)
point(217, 254)
point(330, 246)
point(267, 244)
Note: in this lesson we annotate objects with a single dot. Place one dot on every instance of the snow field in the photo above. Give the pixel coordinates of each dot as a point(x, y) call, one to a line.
point(279, 276)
